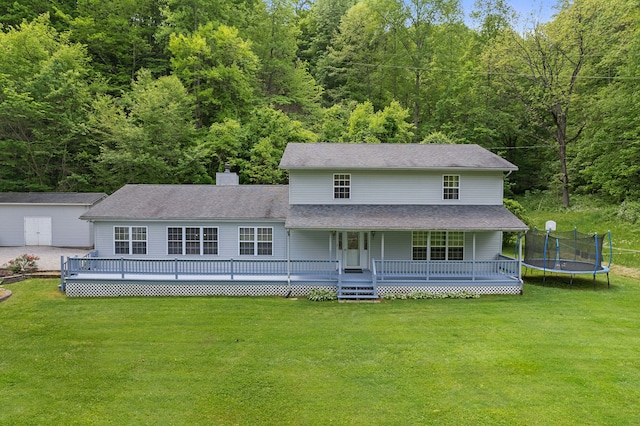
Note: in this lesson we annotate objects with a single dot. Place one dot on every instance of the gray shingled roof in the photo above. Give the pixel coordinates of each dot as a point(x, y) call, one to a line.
point(206, 202)
point(391, 156)
point(403, 217)
point(77, 198)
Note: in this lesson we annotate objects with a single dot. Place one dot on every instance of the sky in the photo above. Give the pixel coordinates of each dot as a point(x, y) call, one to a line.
point(542, 10)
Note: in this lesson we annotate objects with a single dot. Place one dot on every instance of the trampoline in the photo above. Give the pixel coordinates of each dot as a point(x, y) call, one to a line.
point(570, 252)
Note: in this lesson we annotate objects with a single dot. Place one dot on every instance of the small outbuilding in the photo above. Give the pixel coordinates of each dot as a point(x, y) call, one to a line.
point(46, 218)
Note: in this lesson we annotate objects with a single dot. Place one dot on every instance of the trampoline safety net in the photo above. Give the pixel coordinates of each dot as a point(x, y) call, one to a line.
point(564, 251)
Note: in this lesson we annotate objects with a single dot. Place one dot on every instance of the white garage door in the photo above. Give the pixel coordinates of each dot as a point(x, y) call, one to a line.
point(37, 231)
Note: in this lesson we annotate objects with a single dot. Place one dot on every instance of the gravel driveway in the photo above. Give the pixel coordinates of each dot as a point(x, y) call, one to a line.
point(49, 256)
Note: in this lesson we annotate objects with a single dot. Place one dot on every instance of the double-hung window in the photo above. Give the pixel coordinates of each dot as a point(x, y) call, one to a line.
point(192, 240)
point(255, 241)
point(437, 245)
point(419, 245)
point(341, 186)
point(130, 239)
point(450, 187)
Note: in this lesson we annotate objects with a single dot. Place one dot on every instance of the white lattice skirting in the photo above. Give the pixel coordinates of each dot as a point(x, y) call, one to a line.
point(125, 288)
point(485, 289)
point(120, 289)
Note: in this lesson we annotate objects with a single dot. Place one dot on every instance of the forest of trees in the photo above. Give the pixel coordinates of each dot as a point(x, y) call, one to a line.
point(95, 94)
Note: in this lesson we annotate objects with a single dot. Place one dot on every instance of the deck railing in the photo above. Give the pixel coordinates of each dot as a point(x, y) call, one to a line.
point(427, 269)
point(231, 267)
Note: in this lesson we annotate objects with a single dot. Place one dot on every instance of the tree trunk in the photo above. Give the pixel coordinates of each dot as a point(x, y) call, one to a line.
point(416, 103)
point(564, 174)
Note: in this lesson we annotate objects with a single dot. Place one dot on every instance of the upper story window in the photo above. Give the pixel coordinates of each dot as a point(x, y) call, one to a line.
point(450, 187)
point(130, 239)
point(341, 186)
point(192, 240)
point(255, 241)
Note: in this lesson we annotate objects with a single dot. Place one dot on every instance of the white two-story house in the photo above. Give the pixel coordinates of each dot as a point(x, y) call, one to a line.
point(361, 219)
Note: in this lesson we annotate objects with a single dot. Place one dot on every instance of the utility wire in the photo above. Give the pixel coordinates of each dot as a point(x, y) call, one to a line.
point(493, 73)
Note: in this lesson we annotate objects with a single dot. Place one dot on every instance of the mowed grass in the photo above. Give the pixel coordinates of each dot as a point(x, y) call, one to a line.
point(551, 356)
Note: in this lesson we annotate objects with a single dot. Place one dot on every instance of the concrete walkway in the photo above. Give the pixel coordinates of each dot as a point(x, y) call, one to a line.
point(49, 256)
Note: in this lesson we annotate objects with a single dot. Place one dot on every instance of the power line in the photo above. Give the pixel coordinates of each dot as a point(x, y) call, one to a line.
point(493, 73)
point(551, 145)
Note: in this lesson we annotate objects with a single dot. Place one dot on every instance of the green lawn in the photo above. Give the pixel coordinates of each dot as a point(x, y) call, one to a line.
point(552, 356)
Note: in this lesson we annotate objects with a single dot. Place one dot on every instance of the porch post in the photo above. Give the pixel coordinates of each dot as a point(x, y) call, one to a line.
point(382, 254)
point(520, 258)
point(331, 247)
point(473, 277)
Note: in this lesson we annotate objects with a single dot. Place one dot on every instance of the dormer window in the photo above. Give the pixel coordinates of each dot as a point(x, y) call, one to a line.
point(341, 186)
point(451, 187)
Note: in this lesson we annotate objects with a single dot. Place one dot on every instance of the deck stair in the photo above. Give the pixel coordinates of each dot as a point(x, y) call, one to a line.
point(357, 287)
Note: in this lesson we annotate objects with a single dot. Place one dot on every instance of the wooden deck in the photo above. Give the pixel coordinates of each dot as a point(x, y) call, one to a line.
point(248, 277)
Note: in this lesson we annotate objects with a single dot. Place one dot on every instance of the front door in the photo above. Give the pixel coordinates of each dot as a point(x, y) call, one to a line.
point(354, 248)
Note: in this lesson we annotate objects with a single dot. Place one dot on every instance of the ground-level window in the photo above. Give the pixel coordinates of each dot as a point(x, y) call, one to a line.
point(437, 245)
point(451, 187)
point(198, 240)
point(130, 239)
point(255, 241)
point(341, 186)
point(419, 245)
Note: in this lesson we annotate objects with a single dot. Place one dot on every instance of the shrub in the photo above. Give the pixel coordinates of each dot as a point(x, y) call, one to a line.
point(416, 295)
point(629, 211)
point(521, 213)
point(22, 263)
point(320, 295)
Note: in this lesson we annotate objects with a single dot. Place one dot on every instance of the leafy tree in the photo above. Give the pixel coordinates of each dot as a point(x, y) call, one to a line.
point(437, 138)
point(186, 16)
point(119, 35)
point(285, 80)
point(317, 31)
point(608, 161)
point(414, 24)
point(219, 70)
point(493, 17)
point(386, 126)
point(13, 13)
point(147, 136)
point(255, 147)
point(543, 70)
point(45, 92)
point(349, 71)
point(333, 122)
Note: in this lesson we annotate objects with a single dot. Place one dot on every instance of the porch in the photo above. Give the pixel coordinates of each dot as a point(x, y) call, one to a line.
point(95, 276)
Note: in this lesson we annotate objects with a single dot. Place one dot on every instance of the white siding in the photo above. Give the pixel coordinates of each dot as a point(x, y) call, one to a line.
point(305, 245)
point(311, 245)
point(395, 187)
point(157, 238)
point(67, 230)
point(488, 245)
